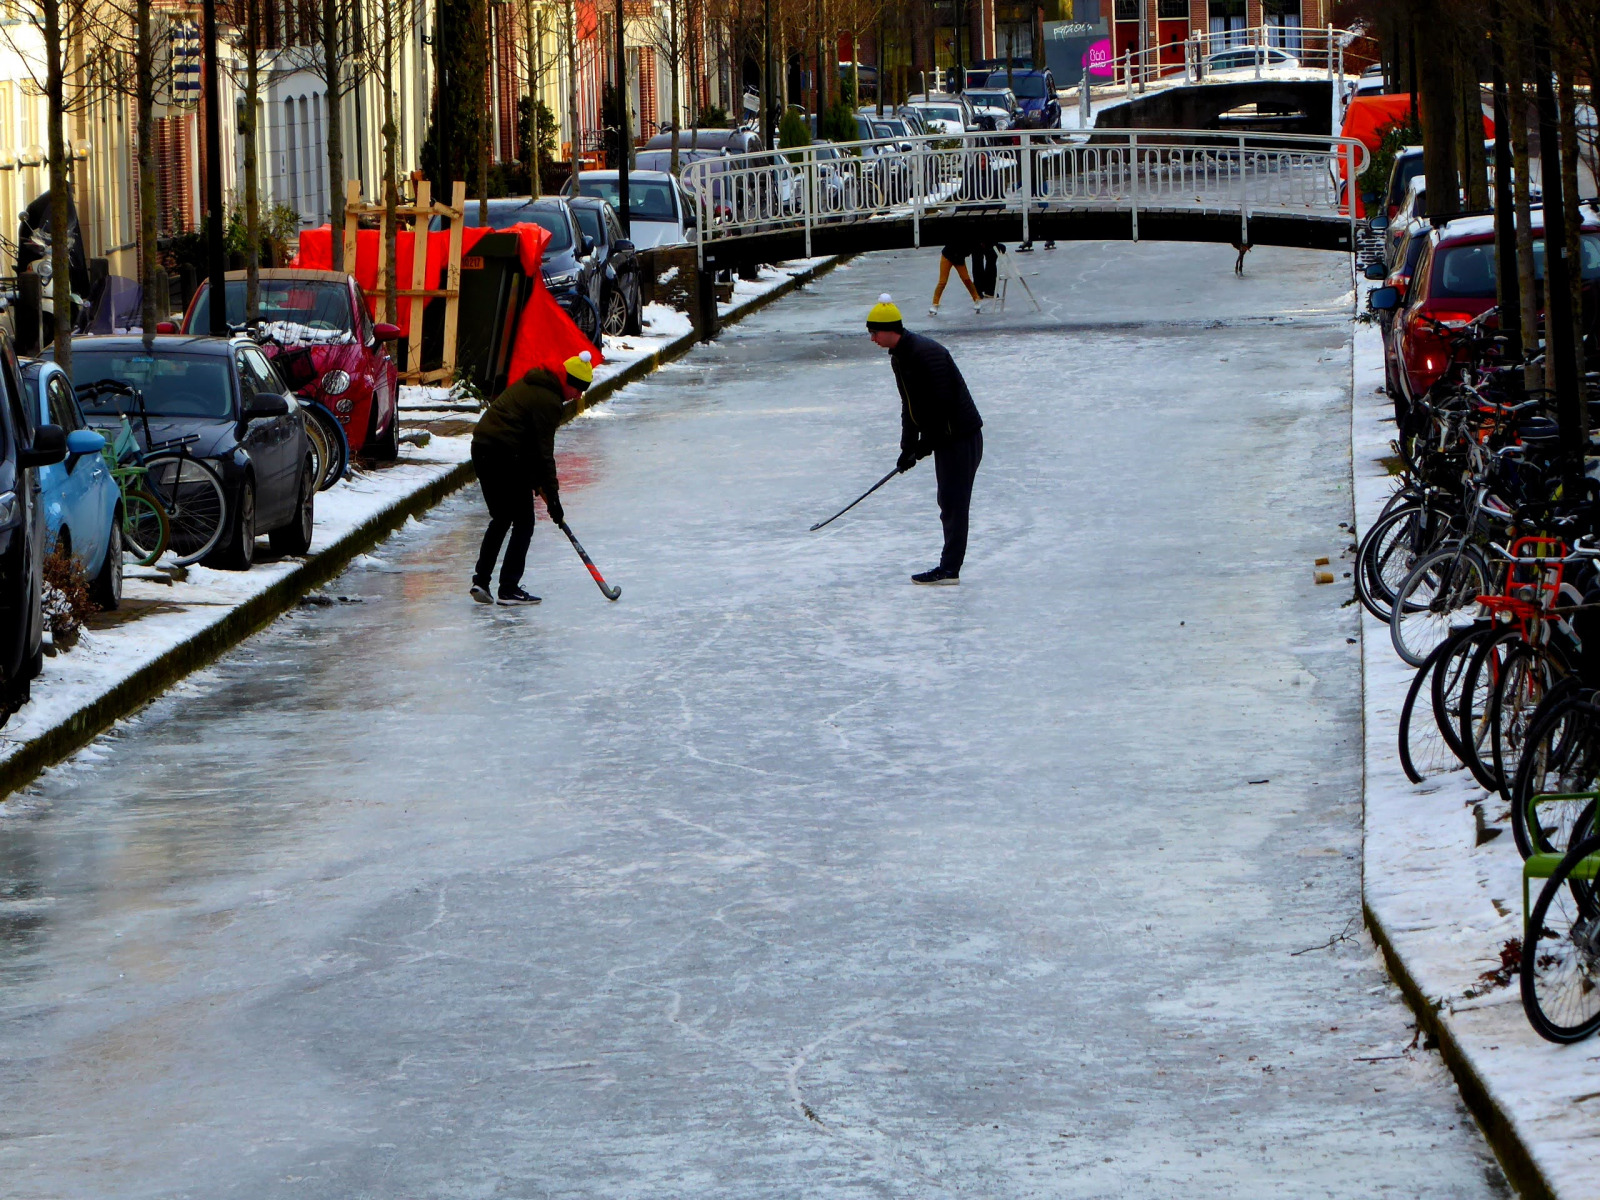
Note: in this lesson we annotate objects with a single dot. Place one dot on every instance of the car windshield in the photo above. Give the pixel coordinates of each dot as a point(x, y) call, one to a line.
point(504, 216)
point(647, 201)
point(942, 112)
point(313, 303)
point(174, 385)
point(1468, 271)
point(1027, 87)
point(990, 99)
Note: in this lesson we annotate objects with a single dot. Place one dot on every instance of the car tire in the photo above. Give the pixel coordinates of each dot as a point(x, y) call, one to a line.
point(294, 539)
point(635, 326)
point(106, 587)
point(616, 310)
point(238, 550)
point(387, 447)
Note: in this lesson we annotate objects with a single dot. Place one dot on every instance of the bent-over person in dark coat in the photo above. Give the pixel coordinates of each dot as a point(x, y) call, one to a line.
point(514, 453)
point(937, 417)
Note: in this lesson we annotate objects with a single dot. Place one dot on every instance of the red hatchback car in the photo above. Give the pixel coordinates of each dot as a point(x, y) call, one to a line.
point(1454, 282)
point(326, 313)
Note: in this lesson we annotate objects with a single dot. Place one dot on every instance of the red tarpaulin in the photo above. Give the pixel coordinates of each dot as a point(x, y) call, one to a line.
point(546, 336)
point(1369, 116)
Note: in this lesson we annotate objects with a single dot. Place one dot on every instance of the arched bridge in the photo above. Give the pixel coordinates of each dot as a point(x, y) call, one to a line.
point(1140, 184)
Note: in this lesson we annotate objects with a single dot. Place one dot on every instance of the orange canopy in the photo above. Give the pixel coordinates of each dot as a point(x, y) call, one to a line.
point(1368, 117)
point(546, 336)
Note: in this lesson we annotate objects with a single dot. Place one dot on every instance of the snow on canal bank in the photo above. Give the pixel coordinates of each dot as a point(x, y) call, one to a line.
point(1446, 905)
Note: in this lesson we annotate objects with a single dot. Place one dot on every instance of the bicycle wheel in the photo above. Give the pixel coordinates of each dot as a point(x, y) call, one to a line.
point(1390, 549)
point(1477, 694)
point(1561, 952)
point(1560, 757)
point(1423, 749)
point(317, 444)
point(1449, 678)
point(337, 461)
point(1528, 676)
point(1439, 594)
point(144, 526)
point(197, 507)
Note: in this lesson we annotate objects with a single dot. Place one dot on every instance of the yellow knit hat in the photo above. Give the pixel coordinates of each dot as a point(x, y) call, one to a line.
point(885, 317)
point(580, 370)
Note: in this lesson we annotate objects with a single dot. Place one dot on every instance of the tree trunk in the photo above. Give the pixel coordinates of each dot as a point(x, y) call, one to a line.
point(532, 26)
point(676, 44)
point(1517, 113)
point(1475, 162)
point(485, 115)
point(60, 185)
point(1439, 105)
point(149, 224)
point(252, 180)
point(572, 96)
point(1569, 191)
point(391, 189)
point(332, 108)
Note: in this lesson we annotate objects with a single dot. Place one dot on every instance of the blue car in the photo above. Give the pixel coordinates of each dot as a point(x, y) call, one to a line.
point(81, 499)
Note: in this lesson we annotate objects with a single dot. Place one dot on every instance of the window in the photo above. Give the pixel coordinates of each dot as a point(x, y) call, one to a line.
point(316, 304)
point(1127, 10)
point(174, 385)
point(1173, 10)
point(254, 367)
point(63, 406)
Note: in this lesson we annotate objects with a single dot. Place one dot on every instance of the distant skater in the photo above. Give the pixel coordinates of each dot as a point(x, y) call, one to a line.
point(955, 255)
point(937, 417)
point(514, 453)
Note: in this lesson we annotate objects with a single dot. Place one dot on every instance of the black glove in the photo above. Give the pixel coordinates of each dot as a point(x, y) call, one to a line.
point(905, 462)
point(553, 507)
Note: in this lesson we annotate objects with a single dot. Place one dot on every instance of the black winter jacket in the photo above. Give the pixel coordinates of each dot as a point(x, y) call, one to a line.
point(522, 423)
point(935, 406)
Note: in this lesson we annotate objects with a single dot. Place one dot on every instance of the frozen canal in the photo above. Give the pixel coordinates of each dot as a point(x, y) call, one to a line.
point(779, 877)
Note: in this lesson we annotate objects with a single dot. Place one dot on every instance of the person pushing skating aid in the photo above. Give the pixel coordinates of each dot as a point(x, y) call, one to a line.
point(937, 417)
point(514, 453)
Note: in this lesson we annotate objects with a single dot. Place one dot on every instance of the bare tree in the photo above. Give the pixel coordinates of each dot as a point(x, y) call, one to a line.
point(664, 31)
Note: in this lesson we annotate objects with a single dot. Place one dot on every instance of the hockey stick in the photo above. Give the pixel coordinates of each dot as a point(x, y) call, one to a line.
point(606, 589)
point(857, 500)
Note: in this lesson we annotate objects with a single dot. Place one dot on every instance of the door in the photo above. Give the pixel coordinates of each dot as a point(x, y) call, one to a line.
point(269, 442)
point(74, 487)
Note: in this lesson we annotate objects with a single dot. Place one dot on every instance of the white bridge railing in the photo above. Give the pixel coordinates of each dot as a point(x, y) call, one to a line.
point(1028, 173)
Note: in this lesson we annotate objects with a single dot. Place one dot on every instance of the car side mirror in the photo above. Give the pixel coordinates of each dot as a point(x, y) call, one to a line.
point(166, 327)
point(265, 405)
point(1374, 271)
point(1378, 224)
point(588, 246)
point(622, 246)
point(1384, 299)
point(385, 332)
point(85, 441)
point(49, 447)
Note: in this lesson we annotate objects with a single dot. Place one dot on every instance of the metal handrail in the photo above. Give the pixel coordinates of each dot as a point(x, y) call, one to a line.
point(1135, 67)
point(880, 179)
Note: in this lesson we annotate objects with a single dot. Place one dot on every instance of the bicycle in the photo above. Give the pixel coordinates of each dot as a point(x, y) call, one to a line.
point(188, 490)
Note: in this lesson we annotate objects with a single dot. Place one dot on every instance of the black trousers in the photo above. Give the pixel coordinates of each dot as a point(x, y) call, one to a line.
point(985, 270)
point(956, 466)
point(508, 491)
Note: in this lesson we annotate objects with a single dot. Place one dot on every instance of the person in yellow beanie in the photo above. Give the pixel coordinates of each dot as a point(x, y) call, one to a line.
point(937, 417)
point(514, 453)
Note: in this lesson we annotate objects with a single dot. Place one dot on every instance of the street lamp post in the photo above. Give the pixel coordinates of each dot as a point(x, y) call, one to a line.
point(216, 256)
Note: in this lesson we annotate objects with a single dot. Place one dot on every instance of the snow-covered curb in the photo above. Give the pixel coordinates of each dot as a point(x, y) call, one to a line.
point(112, 671)
point(1442, 906)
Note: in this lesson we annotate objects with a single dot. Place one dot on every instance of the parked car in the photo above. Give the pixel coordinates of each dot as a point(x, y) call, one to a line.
point(1454, 282)
point(247, 426)
point(660, 212)
point(82, 502)
point(1000, 104)
point(325, 313)
point(1413, 208)
point(25, 447)
point(731, 141)
point(1036, 97)
point(570, 271)
point(1407, 166)
point(1242, 58)
point(944, 115)
point(866, 78)
point(620, 292)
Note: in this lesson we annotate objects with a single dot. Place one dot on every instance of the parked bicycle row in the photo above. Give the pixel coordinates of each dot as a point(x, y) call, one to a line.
point(1485, 565)
point(184, 449)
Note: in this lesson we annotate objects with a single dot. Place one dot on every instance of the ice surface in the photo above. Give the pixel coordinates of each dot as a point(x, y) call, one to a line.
point(778, 877)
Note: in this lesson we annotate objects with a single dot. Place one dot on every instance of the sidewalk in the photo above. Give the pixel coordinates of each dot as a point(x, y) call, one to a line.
point(173, 621)
point(1442, 907)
